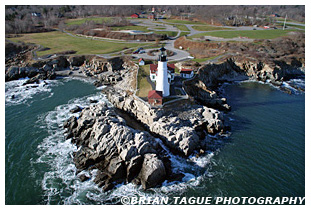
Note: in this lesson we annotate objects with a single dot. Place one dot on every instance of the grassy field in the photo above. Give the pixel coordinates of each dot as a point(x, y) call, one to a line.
point(80, 21)
point(292, 25)
point(184, 33)
point(137, 28)
point(58, 42)
point(160, 28)
point(182, 21)
point(252, 34)
point(181, 27)
point(169, 33)
point(143, 85)
point(287, 20)
point(209, 28)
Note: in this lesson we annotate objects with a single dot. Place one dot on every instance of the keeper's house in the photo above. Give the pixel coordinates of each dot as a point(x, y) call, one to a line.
point(155, 98)
point(154, 72)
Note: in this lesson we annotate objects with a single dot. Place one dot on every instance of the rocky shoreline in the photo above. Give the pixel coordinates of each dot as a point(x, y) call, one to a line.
point(122, 154)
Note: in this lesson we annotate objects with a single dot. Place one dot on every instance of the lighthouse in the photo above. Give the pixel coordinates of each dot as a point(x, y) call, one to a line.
point(162, 79)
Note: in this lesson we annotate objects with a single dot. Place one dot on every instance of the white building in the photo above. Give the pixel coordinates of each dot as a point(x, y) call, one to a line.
point(141, 62)
point(186, 73)
point(162, 83)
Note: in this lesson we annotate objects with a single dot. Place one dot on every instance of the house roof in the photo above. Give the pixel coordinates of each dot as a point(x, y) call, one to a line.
point(155, 94)
point(141, 59)
point(135, 15)
point(154, 68)
point(186, 71)
point(171, 67)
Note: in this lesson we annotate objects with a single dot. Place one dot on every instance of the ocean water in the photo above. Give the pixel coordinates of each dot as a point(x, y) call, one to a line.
point(263, 156)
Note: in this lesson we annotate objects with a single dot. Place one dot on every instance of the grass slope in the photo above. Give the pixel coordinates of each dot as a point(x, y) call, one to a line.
point(209, 28)
point(183, 21)
point(80, 21)
point(58, 42)
point(252, 34)
point(143, 85)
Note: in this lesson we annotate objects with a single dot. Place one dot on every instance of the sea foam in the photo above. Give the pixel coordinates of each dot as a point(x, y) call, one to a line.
point(17, 93)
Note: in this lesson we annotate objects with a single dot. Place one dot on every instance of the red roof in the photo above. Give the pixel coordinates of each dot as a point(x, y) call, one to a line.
point(154, 68)
point(135, 15)
point(140, 59)
point(155, 94)
point(171, 67)
point(186, 71)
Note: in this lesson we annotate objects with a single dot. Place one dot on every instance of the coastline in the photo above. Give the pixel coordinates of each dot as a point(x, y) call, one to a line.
point(191, 179)
point(119, 154)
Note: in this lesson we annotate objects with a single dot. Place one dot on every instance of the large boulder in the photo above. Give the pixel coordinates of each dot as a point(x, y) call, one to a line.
point(12, 73)
point(152, 172)
point(76, 60)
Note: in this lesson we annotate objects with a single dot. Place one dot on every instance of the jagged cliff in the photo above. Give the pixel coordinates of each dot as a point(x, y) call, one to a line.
point(210, 76)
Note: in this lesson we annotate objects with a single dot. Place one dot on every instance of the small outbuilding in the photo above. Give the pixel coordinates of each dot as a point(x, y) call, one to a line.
point(141, 62)
point(155, 98)
point(186, 73)
point(135, 15)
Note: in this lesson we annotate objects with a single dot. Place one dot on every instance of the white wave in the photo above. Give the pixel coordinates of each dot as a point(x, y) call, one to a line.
point(60, 183)
point(17, 93)
point(82, 79)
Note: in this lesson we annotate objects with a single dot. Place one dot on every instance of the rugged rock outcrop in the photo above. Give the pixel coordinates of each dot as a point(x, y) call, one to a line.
point(181, 129)
point(120, 153)
point(211, 75)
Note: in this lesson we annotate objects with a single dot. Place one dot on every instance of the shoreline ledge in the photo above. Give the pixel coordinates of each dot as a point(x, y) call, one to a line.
point(123, 154)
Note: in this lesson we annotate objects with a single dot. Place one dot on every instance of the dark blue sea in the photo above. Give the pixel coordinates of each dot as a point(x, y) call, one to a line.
point(263, 156)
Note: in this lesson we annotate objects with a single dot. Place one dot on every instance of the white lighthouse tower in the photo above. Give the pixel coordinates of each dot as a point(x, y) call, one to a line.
point(162, 79)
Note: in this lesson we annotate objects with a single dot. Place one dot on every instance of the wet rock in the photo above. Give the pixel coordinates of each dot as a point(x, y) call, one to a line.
point(84, 177)
point(93, 101)
point(153, 171)
point(76, 109)
point(134, 167)
point(12, 73)
point(107, 144)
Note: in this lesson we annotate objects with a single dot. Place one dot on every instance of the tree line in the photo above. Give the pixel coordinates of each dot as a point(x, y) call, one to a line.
point(32, 18)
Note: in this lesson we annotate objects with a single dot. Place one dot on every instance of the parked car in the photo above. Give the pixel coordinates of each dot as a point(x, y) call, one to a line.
point(142, 51)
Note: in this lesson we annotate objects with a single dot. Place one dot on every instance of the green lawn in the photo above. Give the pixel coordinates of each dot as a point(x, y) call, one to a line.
point(209, 28)
point(136, 28)
point(181, 27)
point(288, 20)
point(253, 34)
point(143, 85)
point(292, 25)
point(168, 33)
point(80, 21)
point(183, 21)
point(58, 42)
point(184, 33)
point(160, 28)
